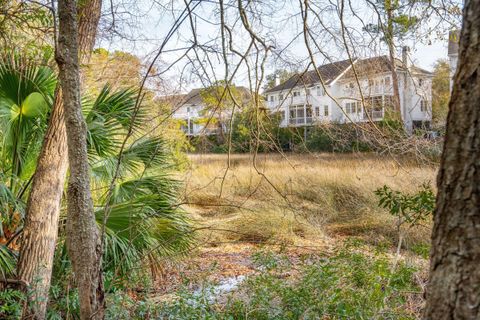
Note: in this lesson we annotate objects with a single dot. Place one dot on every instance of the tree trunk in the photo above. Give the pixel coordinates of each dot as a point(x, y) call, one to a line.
point(41, 218)
point(454, 287)
point(83, 242)
point(397, 113)
point(43, 207)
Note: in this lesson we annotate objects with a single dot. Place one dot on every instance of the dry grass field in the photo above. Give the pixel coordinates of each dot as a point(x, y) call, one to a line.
point(299, 200)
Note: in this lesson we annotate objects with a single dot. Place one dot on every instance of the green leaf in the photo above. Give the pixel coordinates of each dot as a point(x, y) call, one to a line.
point(34, 105)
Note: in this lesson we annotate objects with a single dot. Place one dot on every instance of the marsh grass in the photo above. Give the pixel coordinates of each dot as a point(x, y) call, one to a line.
point(300, 199)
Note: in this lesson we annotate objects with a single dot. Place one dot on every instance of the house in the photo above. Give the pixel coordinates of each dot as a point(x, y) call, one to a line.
point(207, 113)
point(303, 100)
point(453, 39)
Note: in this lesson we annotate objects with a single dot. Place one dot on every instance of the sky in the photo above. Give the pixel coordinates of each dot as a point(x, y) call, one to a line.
point(278, 23)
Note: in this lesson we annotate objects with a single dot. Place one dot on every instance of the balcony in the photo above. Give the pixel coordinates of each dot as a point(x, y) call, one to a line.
point(300, 121)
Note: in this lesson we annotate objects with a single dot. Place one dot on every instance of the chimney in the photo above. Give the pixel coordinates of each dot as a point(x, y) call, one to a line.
point(405, 53)
point(275, 79)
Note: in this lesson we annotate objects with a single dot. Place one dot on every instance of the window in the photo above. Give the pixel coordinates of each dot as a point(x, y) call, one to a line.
point(272, 98)
point(374, 106)
point(188, 109)
point(420, 82)
point(424, 105)
point(387, 81)
point(317, 112)
point(296, 93)
point(320, 91)
point(190, 127)
point(353, 107)
point(348, 107)
point(308, 109)
point(300, 114)
point(280, 97)
point(388, 102)
point(307, 92)
point(325, 111)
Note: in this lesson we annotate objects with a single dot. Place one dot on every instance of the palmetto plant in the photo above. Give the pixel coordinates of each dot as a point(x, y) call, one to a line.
point(26, 92)
point(143, 217)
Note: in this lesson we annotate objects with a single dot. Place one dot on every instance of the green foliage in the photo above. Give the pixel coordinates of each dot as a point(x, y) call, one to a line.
point(399, 18)
point(7, 261)
point(351, 284)
point(11, 304)
point(144, 218)
point(440, 91)
point(26, 94)
point(422, 249)
point(279, 76)
point(409, 208)
point(335, 138)
point(220, 97)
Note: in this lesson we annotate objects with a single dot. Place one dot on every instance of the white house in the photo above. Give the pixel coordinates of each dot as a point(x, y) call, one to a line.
point(196, 119)
point(453, 39)
point(303, 101)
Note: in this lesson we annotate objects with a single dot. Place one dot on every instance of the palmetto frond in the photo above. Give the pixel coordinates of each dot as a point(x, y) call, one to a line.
point(145, 153)
point(143, 219)
point(109, 117)
point(26, 95)
point(7, 261)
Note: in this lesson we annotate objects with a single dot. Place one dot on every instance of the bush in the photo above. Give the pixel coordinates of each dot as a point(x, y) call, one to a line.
point(11, 304)
point(351, 284)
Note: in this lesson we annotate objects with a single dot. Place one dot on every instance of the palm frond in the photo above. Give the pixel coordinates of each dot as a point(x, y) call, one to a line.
point(7, 261)
point(144, 220)
point(108, 118)
point(146, 153)
point(26, 94)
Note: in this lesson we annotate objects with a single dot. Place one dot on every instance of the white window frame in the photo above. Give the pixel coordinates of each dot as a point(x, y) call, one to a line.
point(320, 91)
point(300, 114)
point(424, 105)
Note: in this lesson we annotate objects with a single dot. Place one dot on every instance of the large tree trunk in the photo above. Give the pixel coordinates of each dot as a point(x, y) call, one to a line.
point(83, 240)
point(454, 287)
point(41, 219)
point(43, 207)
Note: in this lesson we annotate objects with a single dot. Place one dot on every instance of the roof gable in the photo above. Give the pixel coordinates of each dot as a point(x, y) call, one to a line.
point(329, 72)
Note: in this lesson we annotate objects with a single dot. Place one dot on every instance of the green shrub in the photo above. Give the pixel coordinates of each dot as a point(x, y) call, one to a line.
point(352, 284)
point(11, 304)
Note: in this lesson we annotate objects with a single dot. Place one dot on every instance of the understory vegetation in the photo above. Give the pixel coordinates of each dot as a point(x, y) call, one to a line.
point(307, 236)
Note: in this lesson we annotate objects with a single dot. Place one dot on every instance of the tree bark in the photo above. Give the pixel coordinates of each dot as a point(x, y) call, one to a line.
point(397, 113)
point(41, 219)
point(83, 241)
point(454, 287)
point(43, 206)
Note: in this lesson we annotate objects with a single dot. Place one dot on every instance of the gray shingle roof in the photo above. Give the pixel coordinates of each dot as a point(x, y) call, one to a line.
point(329, 72)
point(193, 97)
